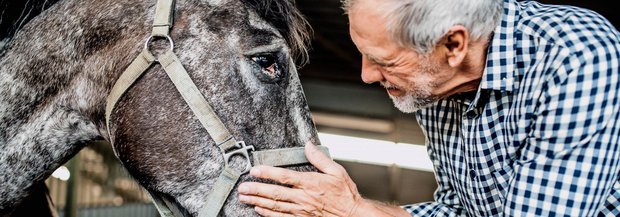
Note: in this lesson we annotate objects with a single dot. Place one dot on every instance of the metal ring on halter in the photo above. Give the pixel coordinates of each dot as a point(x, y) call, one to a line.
point(243, 151)
point(148, 41)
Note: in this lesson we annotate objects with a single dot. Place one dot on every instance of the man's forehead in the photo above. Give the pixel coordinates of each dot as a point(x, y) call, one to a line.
point(374, 48)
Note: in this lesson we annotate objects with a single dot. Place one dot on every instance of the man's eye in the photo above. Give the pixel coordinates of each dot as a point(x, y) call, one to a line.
point(268, 65)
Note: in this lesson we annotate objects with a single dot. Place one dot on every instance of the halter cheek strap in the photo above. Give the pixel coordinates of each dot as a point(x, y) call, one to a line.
point(228, 145)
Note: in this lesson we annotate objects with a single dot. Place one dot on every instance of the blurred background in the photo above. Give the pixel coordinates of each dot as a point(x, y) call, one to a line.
point(381, 148)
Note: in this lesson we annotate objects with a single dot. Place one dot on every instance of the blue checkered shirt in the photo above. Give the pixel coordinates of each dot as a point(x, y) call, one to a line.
point(541, 135)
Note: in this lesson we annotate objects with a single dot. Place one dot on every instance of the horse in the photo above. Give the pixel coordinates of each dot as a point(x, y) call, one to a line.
point(57, 71)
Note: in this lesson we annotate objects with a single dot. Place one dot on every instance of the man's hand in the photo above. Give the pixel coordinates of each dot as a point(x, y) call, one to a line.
point(311, 194)
point(331, 193)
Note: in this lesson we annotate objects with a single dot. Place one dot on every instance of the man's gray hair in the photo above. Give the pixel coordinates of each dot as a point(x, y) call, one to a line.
point(421, 24)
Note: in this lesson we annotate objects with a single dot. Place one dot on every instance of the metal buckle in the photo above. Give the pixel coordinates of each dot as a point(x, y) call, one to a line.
point(243, 151)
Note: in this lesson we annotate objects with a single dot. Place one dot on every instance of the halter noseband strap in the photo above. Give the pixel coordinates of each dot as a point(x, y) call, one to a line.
point(228, 145)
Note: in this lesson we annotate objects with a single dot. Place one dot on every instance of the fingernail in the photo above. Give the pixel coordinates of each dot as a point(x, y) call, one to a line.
point(255, 172)
point(243, 198)
point(310, 145)
point(243, 189)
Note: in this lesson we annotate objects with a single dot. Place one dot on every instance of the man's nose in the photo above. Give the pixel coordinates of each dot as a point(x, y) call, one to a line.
point(371, 73)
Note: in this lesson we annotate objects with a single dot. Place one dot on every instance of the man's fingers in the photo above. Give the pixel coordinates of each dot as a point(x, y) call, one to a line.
point(280, 175)
point(273, 205)
point(273, 192)
point(268, 213)
point(321, 161)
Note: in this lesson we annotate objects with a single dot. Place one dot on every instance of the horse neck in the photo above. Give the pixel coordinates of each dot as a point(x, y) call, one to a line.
point(54, 77)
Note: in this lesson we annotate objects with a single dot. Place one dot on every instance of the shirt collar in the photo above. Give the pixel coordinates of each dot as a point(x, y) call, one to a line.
point(500, 71)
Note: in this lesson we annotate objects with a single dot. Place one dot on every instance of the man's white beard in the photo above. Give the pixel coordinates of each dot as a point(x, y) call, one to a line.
point(418, 93)
point(415, 99)
point(410, 104)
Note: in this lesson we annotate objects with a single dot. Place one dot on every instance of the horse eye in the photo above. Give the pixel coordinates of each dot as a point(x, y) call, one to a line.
point(266, 61)
point(268, 65)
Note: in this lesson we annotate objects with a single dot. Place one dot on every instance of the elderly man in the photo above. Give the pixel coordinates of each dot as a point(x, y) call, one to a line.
point(519, 102)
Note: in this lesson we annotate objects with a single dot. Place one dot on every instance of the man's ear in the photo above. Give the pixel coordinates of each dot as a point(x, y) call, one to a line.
point(455, 43)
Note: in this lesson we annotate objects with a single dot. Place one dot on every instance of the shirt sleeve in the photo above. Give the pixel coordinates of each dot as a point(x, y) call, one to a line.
point(446, 201)
point(569, 162)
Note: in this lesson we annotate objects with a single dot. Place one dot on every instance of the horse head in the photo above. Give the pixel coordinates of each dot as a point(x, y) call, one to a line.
point(243, 64)
point(239, 53)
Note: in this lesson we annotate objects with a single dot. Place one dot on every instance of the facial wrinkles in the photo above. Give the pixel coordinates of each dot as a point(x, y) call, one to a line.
point(418, 85)
point(405, 75)
point(400, 67)
point(380, 52)
point(406, 68)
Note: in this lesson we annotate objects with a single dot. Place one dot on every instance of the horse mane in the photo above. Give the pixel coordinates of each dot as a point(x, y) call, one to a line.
point(282, 14)
point(288, 20)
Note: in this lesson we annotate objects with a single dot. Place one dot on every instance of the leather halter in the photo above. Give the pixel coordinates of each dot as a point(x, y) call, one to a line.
point(228, 145)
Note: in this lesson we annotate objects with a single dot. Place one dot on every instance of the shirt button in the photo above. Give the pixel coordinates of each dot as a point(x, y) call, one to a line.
point(472, 174)
point(471, 114)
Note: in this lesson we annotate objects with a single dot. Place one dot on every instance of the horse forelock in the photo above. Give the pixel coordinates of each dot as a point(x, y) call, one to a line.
point(288, 20)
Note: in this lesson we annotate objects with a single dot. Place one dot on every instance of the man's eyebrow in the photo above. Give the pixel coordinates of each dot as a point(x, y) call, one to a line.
point(378, 61)
point(374, 59)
